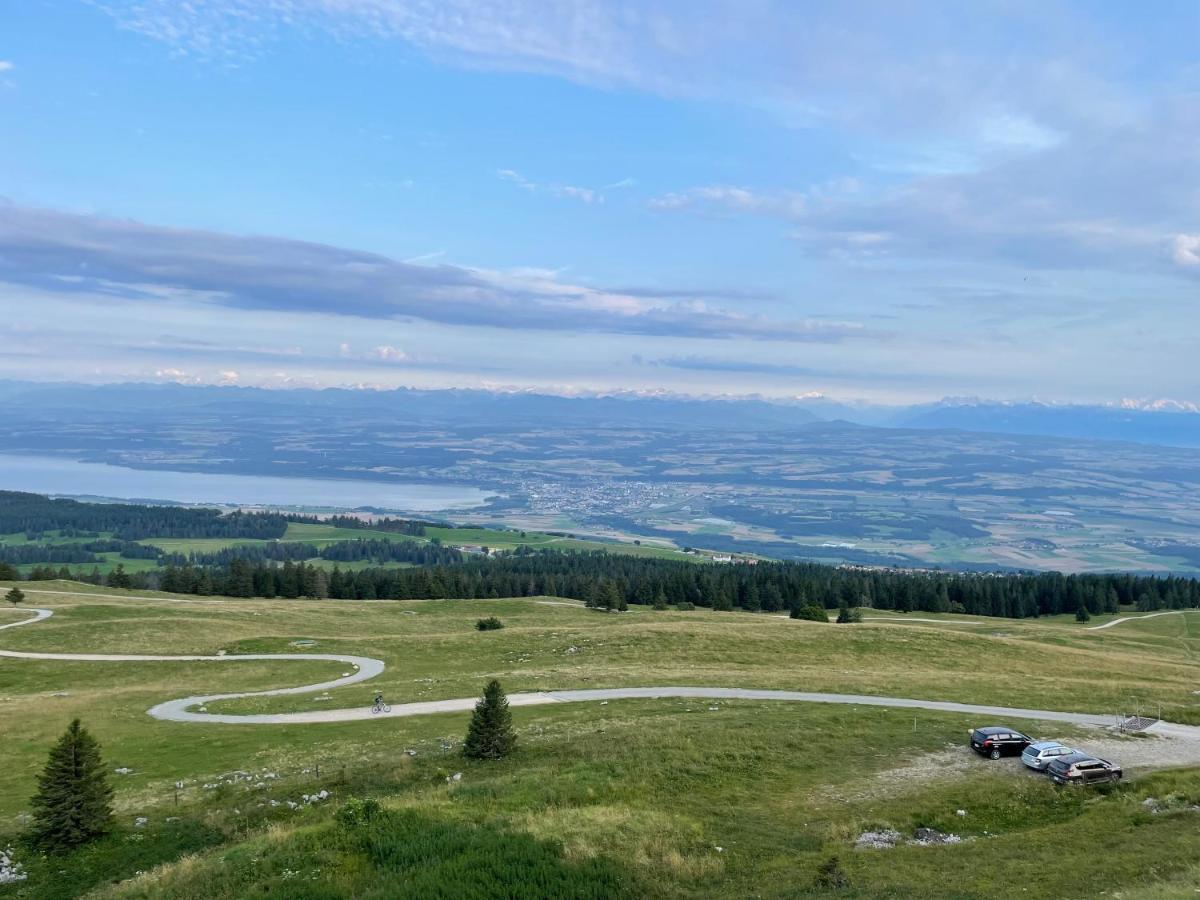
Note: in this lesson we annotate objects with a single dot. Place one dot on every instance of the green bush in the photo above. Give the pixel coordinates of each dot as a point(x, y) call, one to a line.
point(849, 614)
point(358, 812)
point(814, 613)
point(491, 623)
point(116, 856)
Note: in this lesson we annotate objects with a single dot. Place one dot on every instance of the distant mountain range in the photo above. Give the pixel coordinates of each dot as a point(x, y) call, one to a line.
point(1163, 423)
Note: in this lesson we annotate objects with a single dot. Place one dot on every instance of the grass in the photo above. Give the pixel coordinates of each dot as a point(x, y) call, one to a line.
point(432, 651)
point(628, 800)
point(498, 539)
point(630, 797)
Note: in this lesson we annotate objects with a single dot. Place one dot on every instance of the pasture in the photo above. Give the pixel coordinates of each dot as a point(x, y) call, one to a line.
point(669, 797)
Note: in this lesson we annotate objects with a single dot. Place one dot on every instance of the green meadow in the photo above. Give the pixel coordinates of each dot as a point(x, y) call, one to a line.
point(637, 798)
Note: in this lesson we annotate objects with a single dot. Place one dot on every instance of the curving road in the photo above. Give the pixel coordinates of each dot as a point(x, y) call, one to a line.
point(1183, 749)
point(364, 668)
point(1169, 612)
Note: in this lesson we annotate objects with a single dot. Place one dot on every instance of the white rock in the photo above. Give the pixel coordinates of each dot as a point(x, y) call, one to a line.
point(11, 871)
point(123, 771)
point(878, 840)
point(140, 822)
point(960, 813)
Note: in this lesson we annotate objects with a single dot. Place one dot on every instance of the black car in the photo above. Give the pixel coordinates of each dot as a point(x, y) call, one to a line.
point(996, 741)
point(1079, 768)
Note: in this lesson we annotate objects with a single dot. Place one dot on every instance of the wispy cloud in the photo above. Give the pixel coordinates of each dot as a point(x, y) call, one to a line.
point(1111, 197)
point(6, 66)
point(566, 191)
point(70, 252)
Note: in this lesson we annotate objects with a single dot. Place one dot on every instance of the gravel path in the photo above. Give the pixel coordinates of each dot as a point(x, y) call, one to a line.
point(1166, 744)
point(1169, 612)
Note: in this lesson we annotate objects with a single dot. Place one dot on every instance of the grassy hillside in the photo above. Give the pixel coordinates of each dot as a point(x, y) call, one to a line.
point(672, 798)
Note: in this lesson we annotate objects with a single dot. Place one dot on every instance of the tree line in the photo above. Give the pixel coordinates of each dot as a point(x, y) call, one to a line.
point(35, 515)
point(609, 580)
point(376, 550)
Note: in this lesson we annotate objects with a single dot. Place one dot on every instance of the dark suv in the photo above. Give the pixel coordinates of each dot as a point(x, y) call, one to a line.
point(996, 741)
point(1079, 768)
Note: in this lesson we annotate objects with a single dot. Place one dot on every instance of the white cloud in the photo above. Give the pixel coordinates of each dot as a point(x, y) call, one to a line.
point(587, 195)
point(568, 191)
point(734, 199)
point(517, 178)
point(386, 353)
point(1186, 250)
point(6, 66)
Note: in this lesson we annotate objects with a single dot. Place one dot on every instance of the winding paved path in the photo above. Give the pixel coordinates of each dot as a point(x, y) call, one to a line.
point(1169, 612)
point(1183, 749)
point(364, 668)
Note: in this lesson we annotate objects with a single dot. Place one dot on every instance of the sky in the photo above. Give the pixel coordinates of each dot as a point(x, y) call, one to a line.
point(868, 201)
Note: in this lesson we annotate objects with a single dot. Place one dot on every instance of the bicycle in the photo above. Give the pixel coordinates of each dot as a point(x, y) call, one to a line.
point(380, 707)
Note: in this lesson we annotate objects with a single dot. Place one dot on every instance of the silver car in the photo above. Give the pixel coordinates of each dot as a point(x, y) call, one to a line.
point(1040, 754)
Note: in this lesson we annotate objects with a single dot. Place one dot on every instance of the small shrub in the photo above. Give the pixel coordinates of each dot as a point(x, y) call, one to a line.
point(491, 623)
point(849, 614)
point(831, 875)
point(814, 613)
point(685, 606)
point(357, 812)
point(15, 596)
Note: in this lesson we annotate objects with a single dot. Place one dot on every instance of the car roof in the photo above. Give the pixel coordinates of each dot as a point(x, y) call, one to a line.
point(1077, 757)
point(1045, 745)
point(997, 729)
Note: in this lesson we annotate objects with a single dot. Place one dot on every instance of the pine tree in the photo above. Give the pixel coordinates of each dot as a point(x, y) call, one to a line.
point(15, 596)
point(1082, 614)
point(73, 803)
point(490, 734)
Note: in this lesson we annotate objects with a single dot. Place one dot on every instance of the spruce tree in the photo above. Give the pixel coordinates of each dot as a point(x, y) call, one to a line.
point(15, 596)
point(1082, 614)
point(73, 803)
point(490, 734)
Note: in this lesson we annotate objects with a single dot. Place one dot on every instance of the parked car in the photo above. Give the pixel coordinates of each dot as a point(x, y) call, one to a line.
point(1080, 768)
point(996, 741)
point(1040, 754)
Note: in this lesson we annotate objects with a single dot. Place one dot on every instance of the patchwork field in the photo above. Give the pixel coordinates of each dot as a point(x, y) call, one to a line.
point(668, 797)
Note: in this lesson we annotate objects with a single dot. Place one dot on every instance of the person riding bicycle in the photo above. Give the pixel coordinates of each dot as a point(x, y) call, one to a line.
point(379, 698)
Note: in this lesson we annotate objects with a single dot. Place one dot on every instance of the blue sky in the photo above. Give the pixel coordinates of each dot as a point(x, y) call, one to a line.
point(877, 201)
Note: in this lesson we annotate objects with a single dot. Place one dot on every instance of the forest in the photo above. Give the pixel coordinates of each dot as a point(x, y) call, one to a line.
point(597, 578)
point(34, 515)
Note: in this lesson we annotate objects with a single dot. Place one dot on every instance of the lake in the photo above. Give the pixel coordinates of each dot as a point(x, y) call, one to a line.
point(54, 475)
